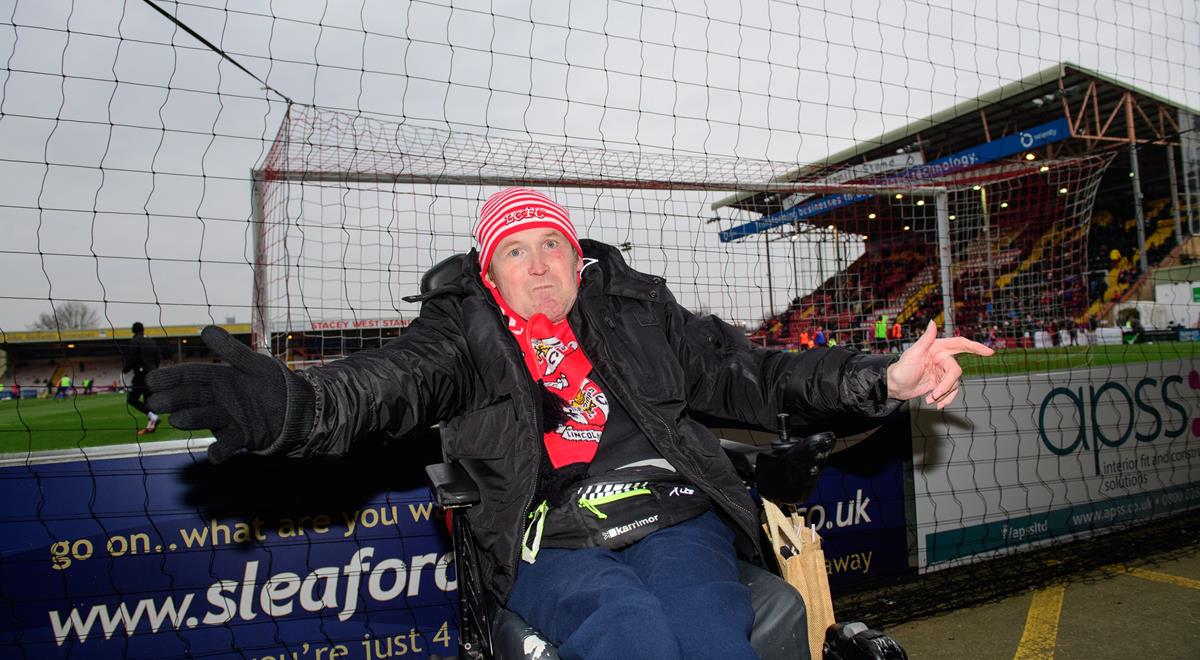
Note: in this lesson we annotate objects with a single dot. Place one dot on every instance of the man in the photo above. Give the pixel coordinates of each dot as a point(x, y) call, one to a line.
point(64, 387)
point(563, 380)
point(141, 357)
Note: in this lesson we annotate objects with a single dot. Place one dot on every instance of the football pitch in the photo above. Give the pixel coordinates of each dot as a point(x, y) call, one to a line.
point(104, 419)
point(1035, 360)
point(83, 421)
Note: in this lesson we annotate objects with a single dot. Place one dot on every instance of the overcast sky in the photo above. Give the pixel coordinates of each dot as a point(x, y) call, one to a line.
point(126, 145)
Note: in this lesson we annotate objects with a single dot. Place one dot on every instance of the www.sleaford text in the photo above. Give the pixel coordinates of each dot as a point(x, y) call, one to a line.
point(325, 588)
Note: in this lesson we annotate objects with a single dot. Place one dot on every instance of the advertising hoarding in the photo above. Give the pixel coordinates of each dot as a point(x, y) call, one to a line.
point(1020, 460)
point(114, 558)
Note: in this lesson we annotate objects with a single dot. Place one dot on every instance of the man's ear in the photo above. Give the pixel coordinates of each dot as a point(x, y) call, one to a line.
point(487, 277)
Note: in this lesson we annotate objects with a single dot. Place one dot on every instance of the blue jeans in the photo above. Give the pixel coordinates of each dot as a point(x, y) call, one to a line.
point(674, 594)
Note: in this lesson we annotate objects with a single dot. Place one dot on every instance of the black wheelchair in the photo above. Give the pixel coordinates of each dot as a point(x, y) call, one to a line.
point(784, 472)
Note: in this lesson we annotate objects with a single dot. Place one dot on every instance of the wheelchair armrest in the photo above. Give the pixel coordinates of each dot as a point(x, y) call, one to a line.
point(453, 487)
point(743, 456)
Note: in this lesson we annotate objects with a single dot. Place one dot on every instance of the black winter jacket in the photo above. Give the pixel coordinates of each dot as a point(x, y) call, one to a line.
point(458, 364)
point(140, 356)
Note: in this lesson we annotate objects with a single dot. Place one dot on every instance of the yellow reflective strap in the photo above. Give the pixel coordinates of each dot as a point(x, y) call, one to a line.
point(529, 553)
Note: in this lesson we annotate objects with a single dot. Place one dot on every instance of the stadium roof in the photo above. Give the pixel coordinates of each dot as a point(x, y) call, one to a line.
point(1064, 89)
point(185, 331)
point(43, 336)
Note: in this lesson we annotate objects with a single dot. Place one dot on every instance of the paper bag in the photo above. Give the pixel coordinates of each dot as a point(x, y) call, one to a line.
point(802, 563)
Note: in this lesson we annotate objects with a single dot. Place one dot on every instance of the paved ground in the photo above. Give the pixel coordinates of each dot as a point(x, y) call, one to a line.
point(1151, 610)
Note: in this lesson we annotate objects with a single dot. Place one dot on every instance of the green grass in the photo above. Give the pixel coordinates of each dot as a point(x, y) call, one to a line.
point(1075, 357)
point(104, 419)
point(91, 421)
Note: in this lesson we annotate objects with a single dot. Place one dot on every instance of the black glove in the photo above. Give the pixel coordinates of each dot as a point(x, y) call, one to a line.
point(253, 403)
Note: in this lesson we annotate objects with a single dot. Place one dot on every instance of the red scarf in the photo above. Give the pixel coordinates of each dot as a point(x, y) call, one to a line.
point(553, 356)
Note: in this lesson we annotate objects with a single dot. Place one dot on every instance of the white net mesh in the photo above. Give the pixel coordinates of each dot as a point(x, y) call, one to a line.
point(354, 210)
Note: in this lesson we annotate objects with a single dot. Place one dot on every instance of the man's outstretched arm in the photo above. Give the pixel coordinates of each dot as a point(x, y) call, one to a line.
point(253, 403)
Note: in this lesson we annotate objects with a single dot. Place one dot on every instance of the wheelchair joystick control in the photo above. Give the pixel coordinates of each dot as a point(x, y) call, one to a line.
point(784, 441)
point(788, 472)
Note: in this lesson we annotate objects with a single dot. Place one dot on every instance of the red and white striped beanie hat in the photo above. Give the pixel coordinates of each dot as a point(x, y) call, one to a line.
point(516, 209)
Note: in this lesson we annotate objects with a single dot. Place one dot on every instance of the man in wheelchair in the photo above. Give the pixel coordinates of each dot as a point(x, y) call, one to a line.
point(608, 518)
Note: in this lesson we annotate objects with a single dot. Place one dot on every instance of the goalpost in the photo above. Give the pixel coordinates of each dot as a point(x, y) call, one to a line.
point(350, 211)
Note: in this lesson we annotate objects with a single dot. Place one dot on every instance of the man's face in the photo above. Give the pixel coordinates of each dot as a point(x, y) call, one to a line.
point(536, 271)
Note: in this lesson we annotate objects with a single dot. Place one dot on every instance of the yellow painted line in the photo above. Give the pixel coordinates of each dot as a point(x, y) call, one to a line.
point(1041, 625)
point(1155, 576)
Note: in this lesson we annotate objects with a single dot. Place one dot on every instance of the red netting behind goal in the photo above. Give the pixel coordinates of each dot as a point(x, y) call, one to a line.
point(355, 209)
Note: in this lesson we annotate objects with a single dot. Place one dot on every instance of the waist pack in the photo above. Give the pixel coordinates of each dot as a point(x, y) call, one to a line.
point(614, 510)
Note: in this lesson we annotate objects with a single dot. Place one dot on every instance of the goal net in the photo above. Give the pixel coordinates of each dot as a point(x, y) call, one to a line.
point(301, 164)
point(353, 210)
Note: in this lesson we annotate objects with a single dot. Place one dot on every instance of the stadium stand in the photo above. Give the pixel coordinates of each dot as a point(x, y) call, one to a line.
point(898, 280)
point(32, 377)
